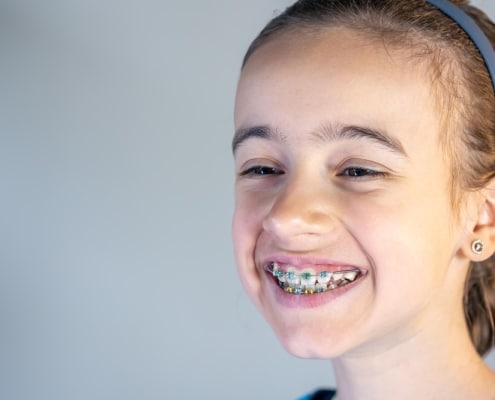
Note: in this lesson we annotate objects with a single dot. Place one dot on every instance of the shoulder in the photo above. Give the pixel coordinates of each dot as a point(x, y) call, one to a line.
point(319, 395)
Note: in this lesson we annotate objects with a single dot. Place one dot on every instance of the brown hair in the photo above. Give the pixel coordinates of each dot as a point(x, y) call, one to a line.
point(466, 98)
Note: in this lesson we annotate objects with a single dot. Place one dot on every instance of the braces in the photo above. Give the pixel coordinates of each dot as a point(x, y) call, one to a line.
point(306, 283)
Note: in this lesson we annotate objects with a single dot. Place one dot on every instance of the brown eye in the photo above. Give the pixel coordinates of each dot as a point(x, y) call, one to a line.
point(358, 172)
point(261, 170)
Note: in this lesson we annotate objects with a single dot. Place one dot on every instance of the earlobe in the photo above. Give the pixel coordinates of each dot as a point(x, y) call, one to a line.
point(481, 245)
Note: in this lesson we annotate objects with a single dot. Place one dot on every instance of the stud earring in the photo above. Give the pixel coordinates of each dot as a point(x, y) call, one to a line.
point(477, 246)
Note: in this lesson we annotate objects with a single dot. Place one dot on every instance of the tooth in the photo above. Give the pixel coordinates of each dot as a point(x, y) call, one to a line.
point(293, 279)
point(321, 287)
point(337, 276)
point(273, 268)
point(278, 273)
point(351, 275)
point(324, 277)
point(308, 279)
point(281, 276)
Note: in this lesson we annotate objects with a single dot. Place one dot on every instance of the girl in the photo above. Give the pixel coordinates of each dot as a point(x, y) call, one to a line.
point(364, 224)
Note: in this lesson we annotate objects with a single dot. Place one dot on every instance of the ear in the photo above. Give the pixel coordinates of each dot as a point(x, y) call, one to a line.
point(484, 226)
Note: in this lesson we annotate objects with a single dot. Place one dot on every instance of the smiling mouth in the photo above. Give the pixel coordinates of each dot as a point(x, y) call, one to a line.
point(307, 282)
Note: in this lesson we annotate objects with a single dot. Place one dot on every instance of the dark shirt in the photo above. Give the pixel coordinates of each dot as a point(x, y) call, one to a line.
point(320, 395)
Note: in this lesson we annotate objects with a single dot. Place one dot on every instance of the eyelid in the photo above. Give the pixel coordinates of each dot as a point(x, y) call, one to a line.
point(263, 170)
point(259, 162)
point(260, 168)
point(363, 164)
point(364, 173)
point(363, 170)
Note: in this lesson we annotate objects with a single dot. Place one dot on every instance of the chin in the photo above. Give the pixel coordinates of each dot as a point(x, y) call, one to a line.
point(308, 343)
point(309, 350)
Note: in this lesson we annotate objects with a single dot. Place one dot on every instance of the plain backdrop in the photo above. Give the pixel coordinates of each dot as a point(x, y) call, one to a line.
point(117, 278)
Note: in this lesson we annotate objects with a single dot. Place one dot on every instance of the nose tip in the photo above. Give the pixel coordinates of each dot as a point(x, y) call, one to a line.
point(301, 215)
point(312, 223)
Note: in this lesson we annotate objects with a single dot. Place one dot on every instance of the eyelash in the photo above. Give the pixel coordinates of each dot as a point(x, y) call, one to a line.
point(260, 170)
point(354, 173)
point(361, 173)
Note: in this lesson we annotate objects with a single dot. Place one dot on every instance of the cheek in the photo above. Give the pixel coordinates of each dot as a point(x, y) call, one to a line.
point(246, 224)
point(249, 212)
point(242, 236)
point(408, 241)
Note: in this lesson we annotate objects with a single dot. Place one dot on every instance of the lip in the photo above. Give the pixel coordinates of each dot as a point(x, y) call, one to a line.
point(317, 264)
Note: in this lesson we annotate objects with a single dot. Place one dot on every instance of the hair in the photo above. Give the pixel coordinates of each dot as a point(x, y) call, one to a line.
point(463, 88)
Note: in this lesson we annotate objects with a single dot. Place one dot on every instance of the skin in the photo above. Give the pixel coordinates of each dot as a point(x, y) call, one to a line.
point(380, 202)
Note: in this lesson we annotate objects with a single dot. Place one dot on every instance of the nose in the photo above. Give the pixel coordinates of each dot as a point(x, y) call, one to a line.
point(304, 212)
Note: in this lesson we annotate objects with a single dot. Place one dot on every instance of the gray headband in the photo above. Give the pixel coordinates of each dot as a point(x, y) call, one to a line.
point(472, 29)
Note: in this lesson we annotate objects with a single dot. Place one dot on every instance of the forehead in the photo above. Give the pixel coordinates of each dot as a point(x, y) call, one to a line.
point(336, 76)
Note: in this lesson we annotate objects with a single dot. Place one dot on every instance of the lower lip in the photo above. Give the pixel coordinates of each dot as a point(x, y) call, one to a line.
point(310, 300)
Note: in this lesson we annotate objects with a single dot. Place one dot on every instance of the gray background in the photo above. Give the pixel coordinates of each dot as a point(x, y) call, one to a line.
point(117, 278)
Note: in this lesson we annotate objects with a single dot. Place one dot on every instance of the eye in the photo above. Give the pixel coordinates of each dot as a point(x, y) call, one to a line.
point(360, 173)
point(262, 170)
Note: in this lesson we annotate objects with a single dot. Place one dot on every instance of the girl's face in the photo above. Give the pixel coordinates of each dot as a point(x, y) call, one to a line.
point(339, 167)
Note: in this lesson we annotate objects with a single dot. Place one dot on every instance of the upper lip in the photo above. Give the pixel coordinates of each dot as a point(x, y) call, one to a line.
point(314, 262)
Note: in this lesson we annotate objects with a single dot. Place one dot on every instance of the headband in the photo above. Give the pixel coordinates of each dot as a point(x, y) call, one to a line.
point(472, 29)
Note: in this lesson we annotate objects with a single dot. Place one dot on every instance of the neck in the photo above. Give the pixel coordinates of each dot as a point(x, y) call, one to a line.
point(421, 367)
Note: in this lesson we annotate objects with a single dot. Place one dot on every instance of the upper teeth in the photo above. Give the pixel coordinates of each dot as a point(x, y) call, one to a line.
point(309, 282)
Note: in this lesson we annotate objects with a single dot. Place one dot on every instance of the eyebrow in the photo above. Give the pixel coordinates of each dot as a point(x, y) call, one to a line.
point(328, 133)
point(261, 132)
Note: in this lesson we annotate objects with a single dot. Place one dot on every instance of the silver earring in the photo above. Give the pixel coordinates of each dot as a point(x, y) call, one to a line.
point(477, 246)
